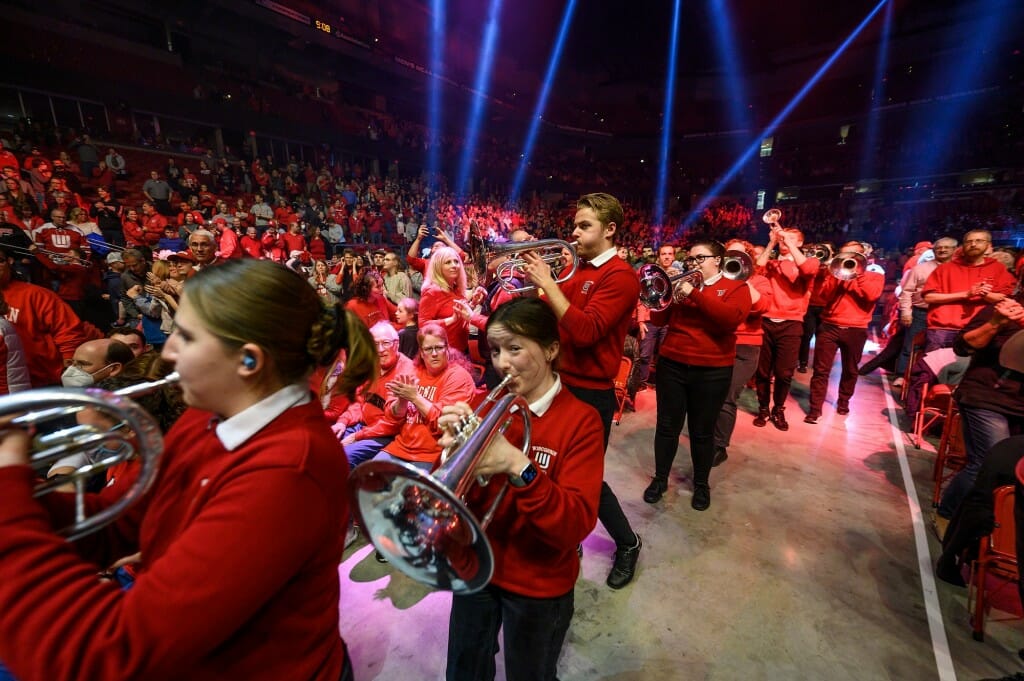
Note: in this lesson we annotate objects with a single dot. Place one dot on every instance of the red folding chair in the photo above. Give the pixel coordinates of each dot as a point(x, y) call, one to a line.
point(996, 563)
point(951, 456)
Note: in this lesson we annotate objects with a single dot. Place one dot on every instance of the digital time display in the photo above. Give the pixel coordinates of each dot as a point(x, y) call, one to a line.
point(322, 26)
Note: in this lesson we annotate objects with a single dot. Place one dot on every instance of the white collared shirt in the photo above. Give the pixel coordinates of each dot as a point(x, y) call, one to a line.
point(710, 280)
point(604, 257)
point(543, 403)
point(235, 431)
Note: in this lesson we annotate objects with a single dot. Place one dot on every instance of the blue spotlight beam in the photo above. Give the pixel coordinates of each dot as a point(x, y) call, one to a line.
point(434, 96)
point(666, 122)
point(481, 86)
point(542, 101)
point(867, 157)
point(739, 118)
point(788, 109)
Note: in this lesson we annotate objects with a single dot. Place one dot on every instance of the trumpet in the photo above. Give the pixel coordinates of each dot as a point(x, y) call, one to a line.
point(657, 286)
point(820, 252)
point(419, 520)
point(847, 266)
point(135, 431)
point(772, 217)
point(511, 271)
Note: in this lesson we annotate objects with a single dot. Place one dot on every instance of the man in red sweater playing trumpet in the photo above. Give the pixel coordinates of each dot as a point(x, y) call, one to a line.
point(844, 328)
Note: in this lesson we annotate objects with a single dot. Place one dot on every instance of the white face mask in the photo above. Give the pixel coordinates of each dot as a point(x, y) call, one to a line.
point(74, 377)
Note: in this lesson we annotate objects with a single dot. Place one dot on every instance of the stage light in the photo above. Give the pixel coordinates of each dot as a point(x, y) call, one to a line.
point(481, 86)
point(434, 95)
point(542, 101)
point(728, 55)
point(754, 146)
point(666, 124)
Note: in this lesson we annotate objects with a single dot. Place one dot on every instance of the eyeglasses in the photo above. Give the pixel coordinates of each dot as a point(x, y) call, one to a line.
point(384, 344)
point(435, 350)
point(977, 241)
point(696, 259)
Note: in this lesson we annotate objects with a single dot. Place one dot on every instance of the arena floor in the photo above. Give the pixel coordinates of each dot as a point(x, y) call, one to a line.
point(805, 567)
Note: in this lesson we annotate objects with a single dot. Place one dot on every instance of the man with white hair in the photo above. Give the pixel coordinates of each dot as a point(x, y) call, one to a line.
point(365, 427)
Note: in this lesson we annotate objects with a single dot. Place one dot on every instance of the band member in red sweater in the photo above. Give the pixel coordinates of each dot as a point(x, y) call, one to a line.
point(240, 537)
point(844, 328)
point(790, 277)
point(695, 367)
point(594, 309)
point(550, 507)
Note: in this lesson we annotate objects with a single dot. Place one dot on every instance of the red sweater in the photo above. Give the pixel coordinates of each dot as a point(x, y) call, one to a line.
point(955, 276)
point(436, 304)
point(749, 332)
point(375, 405)
point(239, 578)
point(49, 331)
point(702, 328)
point(417, 439)
point(376, 309)
point(851, 303)
point(593, 329)
point(536, 529)
point(791, 288)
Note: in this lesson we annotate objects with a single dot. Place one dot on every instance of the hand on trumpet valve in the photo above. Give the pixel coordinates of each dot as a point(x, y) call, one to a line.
point(681, 290)
point(501, 456)
point(537, 269)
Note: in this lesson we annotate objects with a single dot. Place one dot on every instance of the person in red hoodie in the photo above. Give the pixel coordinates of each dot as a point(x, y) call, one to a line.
point(844, 328)
point(251, 245)
point(549, 508)
point(695, 367)
point(228, 247)
point(243, 525)
point(133, 234)
point(594, 309)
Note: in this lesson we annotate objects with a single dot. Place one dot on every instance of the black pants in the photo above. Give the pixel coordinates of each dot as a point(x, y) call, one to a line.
point(688, 392)
point(609, 511)
point(811, 321)
point(534, 631)
point(779, 353)
point(849, 342)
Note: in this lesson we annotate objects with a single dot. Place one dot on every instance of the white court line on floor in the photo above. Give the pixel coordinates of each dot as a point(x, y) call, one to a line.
point(936, 626)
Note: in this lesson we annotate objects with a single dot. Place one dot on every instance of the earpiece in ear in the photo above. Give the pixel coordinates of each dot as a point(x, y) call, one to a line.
point(249, 362)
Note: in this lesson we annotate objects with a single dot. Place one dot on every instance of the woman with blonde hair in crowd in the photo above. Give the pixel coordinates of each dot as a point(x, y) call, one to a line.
point(443, 298)
point(243, 524)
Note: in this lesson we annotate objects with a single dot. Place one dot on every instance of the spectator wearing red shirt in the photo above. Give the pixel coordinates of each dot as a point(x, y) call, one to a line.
point(73, 274)
point(956, 290)
point(49, 330)
point(295, 242)
point(57, 237)
point(153, 224)
point(228, 246)
point(368, 299)
point(251, 245)
point(133, 234)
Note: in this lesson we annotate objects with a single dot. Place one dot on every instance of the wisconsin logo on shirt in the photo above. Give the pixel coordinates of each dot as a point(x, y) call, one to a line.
point(586, 286)
point(542, 456)
point(13, 314)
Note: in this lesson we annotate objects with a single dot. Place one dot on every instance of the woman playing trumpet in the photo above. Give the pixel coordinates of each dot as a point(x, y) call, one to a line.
point(695, 367)
point(549, 508)
point(241, 534)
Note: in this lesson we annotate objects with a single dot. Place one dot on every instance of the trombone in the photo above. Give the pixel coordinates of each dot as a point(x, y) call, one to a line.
point(657, 286)
point(56, 257)
point(420, 521)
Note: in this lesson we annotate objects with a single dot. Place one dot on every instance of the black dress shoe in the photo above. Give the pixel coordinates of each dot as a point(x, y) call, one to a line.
point(655, 490)
point(761, 420)
point(779, 418)
point(380, 557)
point(842, 409)
point(720, 456)
point(802, 369)
point(624, 566)
point(701, 497)
point(812, 418)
